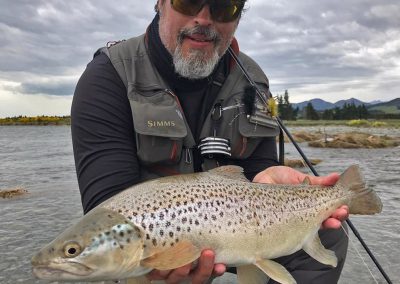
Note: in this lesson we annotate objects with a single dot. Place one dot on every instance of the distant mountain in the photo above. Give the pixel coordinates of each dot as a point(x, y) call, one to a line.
point(321, 105)
point(318, 104)
point(376, 102)
point(391, 107)
point(354, 101)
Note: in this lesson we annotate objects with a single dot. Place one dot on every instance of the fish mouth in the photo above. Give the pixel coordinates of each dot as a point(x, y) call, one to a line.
point(67, 271)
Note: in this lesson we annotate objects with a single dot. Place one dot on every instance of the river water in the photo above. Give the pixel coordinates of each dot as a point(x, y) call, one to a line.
point(39, 159)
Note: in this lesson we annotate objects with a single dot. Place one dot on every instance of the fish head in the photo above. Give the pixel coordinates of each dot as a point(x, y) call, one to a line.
point(102, 245)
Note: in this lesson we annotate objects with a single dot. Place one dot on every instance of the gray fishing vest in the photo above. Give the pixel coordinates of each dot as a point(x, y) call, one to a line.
point(164, 141)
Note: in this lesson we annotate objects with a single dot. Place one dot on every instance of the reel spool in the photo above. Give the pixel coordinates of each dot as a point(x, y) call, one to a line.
point(210, 146)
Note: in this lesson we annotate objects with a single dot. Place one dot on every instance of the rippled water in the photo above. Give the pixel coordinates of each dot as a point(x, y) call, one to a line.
point(40, 160)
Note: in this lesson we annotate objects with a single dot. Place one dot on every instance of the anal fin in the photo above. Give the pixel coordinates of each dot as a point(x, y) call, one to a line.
point(179, 255)
point(276, 271)
point(316, 250)
point(250, 274)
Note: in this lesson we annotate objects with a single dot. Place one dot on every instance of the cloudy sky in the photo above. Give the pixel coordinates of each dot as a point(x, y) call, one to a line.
point(313, 48)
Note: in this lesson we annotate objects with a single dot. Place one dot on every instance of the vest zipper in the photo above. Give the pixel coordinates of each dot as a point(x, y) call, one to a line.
point(188, 154)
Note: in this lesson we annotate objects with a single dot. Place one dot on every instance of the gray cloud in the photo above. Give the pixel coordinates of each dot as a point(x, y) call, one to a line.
point(299, 44)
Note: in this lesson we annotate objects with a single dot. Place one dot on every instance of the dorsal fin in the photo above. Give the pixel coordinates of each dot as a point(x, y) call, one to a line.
point(231, 172)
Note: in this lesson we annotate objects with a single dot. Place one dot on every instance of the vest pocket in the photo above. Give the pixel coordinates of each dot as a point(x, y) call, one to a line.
point(244, 134)
point(159, 125)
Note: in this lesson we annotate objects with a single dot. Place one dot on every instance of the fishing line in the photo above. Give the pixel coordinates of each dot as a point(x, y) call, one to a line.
point(359, 254)
point(263, 98)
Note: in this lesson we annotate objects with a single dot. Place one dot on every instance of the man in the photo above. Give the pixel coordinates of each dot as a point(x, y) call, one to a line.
point(142, 107)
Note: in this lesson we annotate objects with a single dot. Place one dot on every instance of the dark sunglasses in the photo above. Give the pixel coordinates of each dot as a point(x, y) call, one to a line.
point(221, 10)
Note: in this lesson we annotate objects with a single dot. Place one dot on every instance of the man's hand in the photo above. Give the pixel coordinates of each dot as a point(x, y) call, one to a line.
point(286, 175)
point(205, 269)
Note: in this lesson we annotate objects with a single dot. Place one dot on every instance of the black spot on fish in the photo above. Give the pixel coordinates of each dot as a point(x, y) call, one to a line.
point(171, 234)
point(121, 247)
point(107, 233)
point(147, 237)
point(121, 234)
point(154, 241)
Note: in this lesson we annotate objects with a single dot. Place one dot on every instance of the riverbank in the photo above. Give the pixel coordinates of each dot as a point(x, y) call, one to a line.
point(66, 120)
point(36, 120)
point(347, 140)
point(362, 123)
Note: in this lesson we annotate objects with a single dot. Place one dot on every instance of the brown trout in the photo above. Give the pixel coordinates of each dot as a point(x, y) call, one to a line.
point(165, 223)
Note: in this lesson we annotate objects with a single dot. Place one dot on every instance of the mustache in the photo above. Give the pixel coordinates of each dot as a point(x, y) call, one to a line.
point(209, 33)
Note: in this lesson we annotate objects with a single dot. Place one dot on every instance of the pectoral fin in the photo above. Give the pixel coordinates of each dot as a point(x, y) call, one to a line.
point(250, 274)
point(316, 250)
point(179, 255)
point(275, 271)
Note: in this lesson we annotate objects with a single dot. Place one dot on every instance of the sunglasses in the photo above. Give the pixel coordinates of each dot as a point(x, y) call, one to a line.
point(221, 10)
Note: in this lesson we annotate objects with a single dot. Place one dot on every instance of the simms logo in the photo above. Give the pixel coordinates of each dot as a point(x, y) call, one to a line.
point(160, 123)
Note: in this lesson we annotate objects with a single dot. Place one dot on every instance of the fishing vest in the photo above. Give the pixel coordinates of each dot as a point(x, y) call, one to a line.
point(163, 139)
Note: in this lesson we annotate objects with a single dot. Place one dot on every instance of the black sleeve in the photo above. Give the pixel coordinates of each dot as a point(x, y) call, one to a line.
point(264, 156)
point(102, 134)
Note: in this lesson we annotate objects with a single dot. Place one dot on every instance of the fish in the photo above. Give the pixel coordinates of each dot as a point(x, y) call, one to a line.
point(165, 223)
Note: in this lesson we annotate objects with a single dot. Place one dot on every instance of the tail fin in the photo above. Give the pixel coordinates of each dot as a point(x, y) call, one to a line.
point(363, 200)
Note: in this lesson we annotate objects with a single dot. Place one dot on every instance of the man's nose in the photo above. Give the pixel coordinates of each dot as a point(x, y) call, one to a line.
point(203, 18)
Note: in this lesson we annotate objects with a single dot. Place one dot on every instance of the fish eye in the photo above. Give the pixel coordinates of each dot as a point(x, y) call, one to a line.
point(72, 249)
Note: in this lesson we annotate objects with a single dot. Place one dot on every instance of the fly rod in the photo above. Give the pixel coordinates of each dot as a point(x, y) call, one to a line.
point(283, 128)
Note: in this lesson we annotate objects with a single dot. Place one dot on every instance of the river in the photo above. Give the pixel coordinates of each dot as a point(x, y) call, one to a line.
point(39, 159)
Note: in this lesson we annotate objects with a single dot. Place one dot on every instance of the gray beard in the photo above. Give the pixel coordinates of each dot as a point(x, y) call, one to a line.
point(194, 67)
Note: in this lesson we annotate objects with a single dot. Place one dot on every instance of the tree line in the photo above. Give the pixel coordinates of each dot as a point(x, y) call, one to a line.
point(346, 112)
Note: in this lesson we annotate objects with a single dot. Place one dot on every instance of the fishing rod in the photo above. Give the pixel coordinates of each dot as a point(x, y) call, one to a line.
point(283, 128)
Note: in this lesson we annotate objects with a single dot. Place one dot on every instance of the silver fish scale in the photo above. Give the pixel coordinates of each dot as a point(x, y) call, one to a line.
point(186, 207)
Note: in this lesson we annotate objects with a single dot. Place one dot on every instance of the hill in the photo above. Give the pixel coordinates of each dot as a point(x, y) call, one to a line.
point(391, 107)
point(318, 104)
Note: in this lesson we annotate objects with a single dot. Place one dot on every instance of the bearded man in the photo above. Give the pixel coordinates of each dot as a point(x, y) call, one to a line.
point(144, 107)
